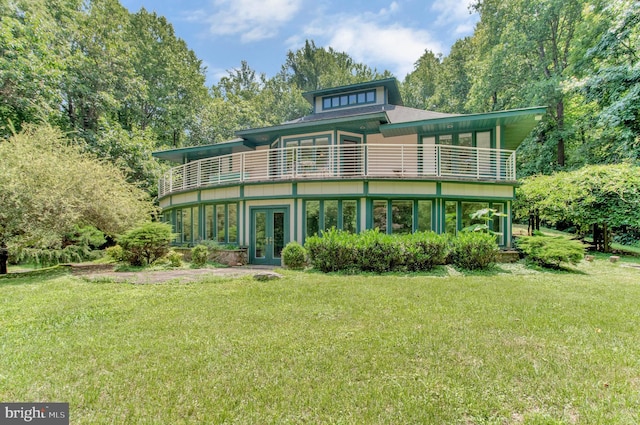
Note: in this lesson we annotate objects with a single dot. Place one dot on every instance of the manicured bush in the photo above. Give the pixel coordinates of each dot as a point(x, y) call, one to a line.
point(146, 243)
point(199, 255)
point(473, 250)
point(294, 256)
point(425, 250)
point(175, 258)
point(550, 251)
point(373, 251)
point(331, 252)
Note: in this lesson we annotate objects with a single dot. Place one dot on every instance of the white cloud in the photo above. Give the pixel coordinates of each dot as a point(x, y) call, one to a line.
point(253, 20)
point(455, 14)
point(371, 39)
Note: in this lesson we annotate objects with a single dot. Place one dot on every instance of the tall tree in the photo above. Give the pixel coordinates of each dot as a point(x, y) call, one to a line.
point(524, 58)
point(419, 87)
point(312, 68)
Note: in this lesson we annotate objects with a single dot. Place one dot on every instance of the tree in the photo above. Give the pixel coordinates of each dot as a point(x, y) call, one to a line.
point(613, 83)
point(47, 187)
point(420, 85)
point(312, 68)
point(524, 55)
point(604, 196)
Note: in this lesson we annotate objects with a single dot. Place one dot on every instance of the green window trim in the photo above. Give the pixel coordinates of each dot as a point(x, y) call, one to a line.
point(346, 217)
point(364, 97)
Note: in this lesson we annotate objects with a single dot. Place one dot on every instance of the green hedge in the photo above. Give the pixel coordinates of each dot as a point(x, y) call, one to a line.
point(373, 251)
point(550, 251)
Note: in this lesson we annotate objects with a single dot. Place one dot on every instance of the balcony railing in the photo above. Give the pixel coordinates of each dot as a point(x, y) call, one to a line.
point(345, 161)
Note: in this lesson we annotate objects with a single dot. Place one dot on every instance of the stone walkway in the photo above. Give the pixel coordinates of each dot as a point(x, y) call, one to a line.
point(106, 271)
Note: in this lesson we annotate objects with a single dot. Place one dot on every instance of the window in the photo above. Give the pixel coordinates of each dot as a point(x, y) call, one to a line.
point(497, 224)
point(349, 216)
point(325, 214)
point(186, 225)
point(342, 100)
point(424, 216)
point(401, 217)
point(330, 214)
point(221, 223)
point(468, 208)
point(451, 217)
point(312, 217)
point(380, 215)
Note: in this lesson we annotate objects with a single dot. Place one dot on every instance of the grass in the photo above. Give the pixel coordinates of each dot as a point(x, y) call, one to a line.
point(514, 346)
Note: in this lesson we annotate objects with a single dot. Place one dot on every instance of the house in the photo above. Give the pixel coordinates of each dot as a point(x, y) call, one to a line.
point(360, 160)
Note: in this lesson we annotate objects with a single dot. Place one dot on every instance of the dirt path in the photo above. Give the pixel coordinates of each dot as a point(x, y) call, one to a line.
point(106, 271)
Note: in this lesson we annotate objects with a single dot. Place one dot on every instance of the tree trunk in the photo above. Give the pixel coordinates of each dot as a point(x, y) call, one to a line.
point(606, 245)
point(4, 258)
point(560, 118)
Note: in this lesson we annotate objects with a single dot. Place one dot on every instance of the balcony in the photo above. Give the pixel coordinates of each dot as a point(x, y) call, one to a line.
point(361, 161)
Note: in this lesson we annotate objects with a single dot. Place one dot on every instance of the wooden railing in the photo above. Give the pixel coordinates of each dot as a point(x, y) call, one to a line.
point(346, 161)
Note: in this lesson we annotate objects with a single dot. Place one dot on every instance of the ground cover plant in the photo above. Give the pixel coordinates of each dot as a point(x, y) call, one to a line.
point(513, 346)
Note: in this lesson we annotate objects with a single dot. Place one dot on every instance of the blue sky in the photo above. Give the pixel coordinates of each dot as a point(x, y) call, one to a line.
point(382, 34)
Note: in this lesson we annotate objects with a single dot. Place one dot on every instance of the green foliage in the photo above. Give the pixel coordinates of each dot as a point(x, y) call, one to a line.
point(596, 194)
point(473, 250)
point(294, 256)
point(550, 251)
point(116, 253)
point(175, 258)
point(199, 255)
point(50, 190)
point(146, 243)
point(373, 251)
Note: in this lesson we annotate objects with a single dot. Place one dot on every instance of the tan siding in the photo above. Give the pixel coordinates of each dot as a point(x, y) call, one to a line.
point(330, 188)
point(377, 139)
point(402, 188)
point(268, 190)
point(184, 198)
point(220, 194)
point(476, 190)
point(165, 203)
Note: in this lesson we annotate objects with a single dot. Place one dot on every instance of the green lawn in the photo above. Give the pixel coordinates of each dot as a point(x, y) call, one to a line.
point(510, 347)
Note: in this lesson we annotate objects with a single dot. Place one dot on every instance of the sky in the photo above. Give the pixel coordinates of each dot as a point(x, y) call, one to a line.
point(385, 35)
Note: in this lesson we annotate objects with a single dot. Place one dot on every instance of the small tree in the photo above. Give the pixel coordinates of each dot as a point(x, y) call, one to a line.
point(146, 243)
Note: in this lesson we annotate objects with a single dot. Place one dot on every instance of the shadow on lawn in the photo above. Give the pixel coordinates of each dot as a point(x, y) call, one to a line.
point(35, 276)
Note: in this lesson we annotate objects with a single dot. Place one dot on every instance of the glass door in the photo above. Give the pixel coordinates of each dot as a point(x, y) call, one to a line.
point(269, 230)
point(351, 157)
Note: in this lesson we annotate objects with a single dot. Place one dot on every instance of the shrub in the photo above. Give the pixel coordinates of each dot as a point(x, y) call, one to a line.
point(331, 252)
point(425, 250)
point(473, 250)
point(294, 256)
point(116, 253)
point(550, 251)
point(199, 255)
point(146, 243)
point(175, 258)
point(378, 252)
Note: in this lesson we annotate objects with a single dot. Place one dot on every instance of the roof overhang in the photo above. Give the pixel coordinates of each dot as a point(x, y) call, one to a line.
point(359, 124)
point(516, 124)
point(193, 153)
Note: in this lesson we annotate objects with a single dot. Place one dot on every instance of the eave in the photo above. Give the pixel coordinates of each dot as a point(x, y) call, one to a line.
point(193, 153)
point(516, 124)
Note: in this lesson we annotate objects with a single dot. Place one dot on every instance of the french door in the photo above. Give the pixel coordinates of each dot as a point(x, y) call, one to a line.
point(269, 235)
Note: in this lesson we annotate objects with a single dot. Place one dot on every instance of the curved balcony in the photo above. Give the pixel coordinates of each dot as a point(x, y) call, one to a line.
point(345, 161)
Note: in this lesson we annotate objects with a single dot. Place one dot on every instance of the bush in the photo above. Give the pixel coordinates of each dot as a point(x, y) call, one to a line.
point(331, 252)
point(294, 256)
point(116, 253)
point(425, 250)
point(175, 258)
point(550, 251)
point(199, 255)
point(373, 251)
point(146, 243)
point(473, 250)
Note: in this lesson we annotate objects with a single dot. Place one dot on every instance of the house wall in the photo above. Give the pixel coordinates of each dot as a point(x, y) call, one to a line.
point(294, 196)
